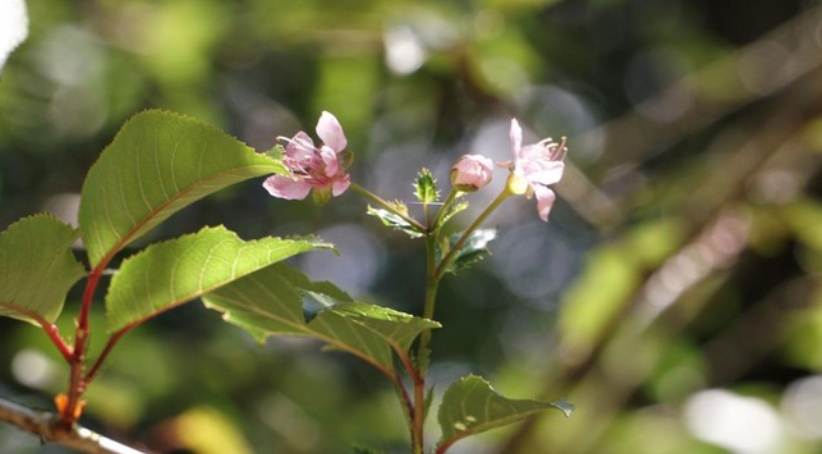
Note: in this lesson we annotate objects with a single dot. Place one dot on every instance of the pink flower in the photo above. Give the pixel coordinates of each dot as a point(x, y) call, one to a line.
point(471, 172)
point(535, 167)
point(311, 167)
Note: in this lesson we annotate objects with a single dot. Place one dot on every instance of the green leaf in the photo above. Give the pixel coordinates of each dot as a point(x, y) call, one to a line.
point(474, 249)
point(390, 219)
point(396, 328)
point(453, 210)
point(37, 268)
point(367, 450)
point(429, 400)
point(270, 303)
point(425, 187)
point(168, 274)
point(158, 164)
point(470, 406)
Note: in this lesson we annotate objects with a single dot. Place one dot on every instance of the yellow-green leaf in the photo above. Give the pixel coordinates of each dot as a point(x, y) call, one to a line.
point(168, 274)
point(158, 164)
point(470, 406)
point(37, 268)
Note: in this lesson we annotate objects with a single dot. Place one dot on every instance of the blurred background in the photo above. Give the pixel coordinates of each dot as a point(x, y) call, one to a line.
point(674, 296)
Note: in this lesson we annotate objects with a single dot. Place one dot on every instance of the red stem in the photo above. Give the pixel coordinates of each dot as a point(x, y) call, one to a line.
point(419, 416)
point(50, 329)
point(77, 384)
point(54, 334)
point(447, 444)
point(112, 341)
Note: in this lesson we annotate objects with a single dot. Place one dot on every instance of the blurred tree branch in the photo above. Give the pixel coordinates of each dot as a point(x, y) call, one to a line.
point(47, 426)
point(714, 211)
point(758, 71)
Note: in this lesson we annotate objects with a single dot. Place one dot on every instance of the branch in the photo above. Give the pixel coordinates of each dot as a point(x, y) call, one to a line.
point(48, 427)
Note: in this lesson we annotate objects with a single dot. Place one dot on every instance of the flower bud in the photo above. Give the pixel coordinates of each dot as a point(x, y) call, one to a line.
point(471, 172)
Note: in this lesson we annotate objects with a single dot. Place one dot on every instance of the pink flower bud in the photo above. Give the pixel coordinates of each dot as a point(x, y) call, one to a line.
point(471, 172)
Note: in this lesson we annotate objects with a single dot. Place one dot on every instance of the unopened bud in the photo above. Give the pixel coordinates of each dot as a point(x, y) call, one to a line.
point(471, 172)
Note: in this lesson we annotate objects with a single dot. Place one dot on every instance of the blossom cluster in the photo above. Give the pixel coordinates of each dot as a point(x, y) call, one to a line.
point(321, 168)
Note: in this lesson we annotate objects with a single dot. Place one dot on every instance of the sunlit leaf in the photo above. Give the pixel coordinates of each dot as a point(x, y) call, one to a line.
point(14, 27)
point(453, 210)
point(171, 273)
point(158, 164)
point(397, 328)
point(390, 219)
point(470, 406)
point(37, 268)
point(270, 303)
point(425, 187)
point(473, 250)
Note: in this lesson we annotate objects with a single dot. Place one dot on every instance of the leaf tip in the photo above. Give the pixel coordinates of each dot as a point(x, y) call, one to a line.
point(562, 404)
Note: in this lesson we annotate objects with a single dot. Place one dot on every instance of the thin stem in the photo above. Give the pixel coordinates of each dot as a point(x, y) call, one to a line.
point(445, 207)
point(77, 383)
point(446, 261)
point(50, 329)
point(56, 339)
point(112, 341)
point(423, 352)
point(383, 203)
point(444, 446)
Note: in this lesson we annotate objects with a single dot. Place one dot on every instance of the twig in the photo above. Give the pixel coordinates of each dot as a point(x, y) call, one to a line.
point(48, 427)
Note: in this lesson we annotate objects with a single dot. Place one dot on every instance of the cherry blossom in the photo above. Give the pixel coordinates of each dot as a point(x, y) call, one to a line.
point(310, 167)
point(535, 167)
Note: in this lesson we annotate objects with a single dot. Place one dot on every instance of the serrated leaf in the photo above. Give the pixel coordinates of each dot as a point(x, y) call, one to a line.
point(168, 274)
point(37, 268)
point(158, 164)
point(453, 210)
point(397, 328)
point(470, 406)
point(474, 250)
point(270, 303)
point(425, 187)
point(390, 219)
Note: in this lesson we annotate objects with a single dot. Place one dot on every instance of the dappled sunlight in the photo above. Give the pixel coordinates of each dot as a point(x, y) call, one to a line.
point(673, 295)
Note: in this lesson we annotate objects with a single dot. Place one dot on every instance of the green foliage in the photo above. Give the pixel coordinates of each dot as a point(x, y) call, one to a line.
point(270, 302)
point(393, 221)
point(398, 329)
point(425, 187)
point(36, 268)
point(473, 250)
point(174, 272)
point(158, 164)
point(452, 210)
point(366, 450)
point(470, 406)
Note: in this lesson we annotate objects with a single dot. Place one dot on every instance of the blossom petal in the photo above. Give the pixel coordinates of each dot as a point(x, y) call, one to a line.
point(545, 200)
point(340, 185)
point(472, 172)
point(329, 157)
point(516, 137)
point(287, 188)
point(300, 147)
point(547, 173)
point(331, 132)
